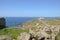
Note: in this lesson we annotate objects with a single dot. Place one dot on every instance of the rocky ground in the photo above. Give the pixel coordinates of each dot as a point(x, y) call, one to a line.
point(42, 28)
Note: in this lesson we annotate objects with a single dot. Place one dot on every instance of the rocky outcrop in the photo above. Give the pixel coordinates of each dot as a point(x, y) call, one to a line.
point(2, 23)
point(39, 30)
point(41, 34)
point(34, 36)
point(5, 37)
point(23, 36)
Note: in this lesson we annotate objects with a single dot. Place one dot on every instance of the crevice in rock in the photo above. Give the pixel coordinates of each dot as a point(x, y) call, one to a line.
point(42, 38)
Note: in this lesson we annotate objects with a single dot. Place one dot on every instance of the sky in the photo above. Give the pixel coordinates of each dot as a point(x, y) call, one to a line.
point(30, 8)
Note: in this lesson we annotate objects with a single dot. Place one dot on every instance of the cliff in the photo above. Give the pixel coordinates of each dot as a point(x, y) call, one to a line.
point(2, 22)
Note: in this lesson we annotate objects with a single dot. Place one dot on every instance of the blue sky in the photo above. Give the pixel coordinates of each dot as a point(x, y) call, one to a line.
point(30, 8)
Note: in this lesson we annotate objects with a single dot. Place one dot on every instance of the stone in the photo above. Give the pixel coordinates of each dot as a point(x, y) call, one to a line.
point(2, 23)
point(23, 36)
point(5, 37)
point(43, 34)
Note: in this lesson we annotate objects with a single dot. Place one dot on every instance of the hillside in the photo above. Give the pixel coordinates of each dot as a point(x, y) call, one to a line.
point(36, 28)
point(41, 22)
point(45, 24)
point(12, 32)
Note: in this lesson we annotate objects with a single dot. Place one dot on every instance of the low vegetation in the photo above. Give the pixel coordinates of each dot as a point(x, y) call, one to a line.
point(58, 37)
point(12, 32)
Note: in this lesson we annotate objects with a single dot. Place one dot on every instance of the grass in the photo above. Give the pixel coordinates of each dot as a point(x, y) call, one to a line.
point(48, 32)
point(50, 21)
point(12, 32)
point(58, 37)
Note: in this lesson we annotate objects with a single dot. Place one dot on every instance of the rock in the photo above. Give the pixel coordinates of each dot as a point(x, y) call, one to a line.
point(5, 37)
point(23, 36)
point(42, 34)
point(39, 35)
point(2, 23)
point(53, 36)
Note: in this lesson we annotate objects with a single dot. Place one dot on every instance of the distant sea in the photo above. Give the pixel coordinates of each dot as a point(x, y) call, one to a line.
point(15, 21)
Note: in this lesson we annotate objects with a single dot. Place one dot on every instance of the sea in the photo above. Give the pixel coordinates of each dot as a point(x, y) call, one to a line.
point(15, 21)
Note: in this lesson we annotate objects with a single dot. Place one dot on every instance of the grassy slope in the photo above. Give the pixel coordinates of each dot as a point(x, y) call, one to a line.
point(13, 32)
point(50, 21)
point(58, 37)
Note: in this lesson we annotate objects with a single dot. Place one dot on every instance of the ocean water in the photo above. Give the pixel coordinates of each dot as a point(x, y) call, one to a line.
point(15, 21)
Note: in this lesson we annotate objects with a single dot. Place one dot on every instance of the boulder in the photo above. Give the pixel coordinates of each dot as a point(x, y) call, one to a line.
point(23, 36)
point(5, 37)
point(2, 23)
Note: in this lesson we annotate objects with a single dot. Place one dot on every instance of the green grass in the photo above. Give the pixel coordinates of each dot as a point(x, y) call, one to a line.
point(48, 32)
point(12, 32)
point(58, 37)
point(52, 21)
